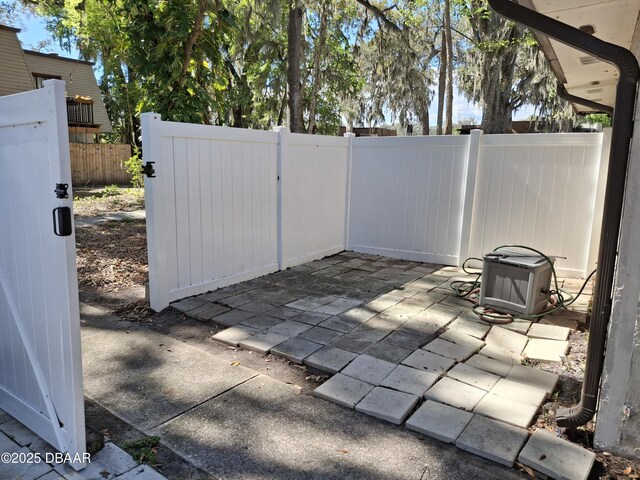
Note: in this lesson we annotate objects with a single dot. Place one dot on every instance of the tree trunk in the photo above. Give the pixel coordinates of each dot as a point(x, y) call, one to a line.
point(294, 43)
point(448, 130)
point(442, 82)
point(317, 56)
point(193, 36)
point(424, 120)
point(496, 91)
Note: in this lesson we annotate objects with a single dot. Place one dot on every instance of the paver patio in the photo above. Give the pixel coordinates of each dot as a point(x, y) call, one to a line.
point(397, 339)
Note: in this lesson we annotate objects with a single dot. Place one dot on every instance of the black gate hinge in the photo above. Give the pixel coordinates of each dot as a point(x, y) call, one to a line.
point(147, 169)
point(61, 190)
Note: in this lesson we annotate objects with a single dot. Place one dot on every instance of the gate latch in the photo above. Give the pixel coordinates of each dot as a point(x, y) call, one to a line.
point(147, 169)
point(61, 190)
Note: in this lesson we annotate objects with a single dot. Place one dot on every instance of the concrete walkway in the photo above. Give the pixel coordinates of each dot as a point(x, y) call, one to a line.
point(235, 422)
point(113, 217)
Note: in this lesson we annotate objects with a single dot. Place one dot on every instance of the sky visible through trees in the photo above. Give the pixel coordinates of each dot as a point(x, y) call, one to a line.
point(312, 65)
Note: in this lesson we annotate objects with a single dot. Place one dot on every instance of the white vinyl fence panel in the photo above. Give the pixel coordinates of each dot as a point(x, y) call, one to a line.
point(40, 357)
point(212, 210)
point(538, 190)
point(314, 178)
point(407, 196)
point(229, 205)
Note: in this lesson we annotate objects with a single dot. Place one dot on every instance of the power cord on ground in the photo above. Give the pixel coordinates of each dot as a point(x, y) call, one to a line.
point(558, 298)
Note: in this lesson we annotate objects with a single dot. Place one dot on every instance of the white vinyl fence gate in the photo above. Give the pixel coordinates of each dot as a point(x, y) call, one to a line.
point(228, 205)
point(40, 357)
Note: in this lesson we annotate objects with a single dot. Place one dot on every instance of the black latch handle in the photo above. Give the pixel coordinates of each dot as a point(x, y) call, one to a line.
point(62, 224)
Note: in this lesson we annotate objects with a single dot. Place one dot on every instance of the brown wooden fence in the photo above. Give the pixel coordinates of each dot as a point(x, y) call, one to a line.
point(99, 164)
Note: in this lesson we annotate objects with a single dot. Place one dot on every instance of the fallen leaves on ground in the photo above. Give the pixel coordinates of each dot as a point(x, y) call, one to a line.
point(112, 255)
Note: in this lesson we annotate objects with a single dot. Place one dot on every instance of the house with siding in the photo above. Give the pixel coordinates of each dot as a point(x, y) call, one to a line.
point(22, 70)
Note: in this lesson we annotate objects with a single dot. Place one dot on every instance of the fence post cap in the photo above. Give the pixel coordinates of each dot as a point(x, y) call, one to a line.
point(349, 134)
point(151, 115)
point(281, 129)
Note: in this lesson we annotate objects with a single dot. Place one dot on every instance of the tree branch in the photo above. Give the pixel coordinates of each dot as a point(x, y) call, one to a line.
point(193, 36)
point(380, 15)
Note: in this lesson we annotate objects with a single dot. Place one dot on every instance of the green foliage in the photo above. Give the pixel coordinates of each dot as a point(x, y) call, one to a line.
point(110, 191)
point(603, 118)
point(144, 450)
point(225, 62)
point(133, 166)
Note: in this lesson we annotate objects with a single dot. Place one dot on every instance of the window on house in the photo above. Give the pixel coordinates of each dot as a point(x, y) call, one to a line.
point(38, 78)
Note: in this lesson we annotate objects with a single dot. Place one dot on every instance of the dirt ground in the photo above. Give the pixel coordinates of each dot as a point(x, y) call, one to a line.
point(93, 202)
point(112, 273)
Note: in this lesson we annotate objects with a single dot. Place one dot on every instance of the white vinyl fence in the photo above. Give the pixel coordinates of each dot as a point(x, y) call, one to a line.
point(538, 190)
point(229, 205)
point(40, 357)
point(407, 195)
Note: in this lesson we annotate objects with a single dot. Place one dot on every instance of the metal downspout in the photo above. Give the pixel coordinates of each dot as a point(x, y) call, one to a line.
point(627, 64)
point(598, 107)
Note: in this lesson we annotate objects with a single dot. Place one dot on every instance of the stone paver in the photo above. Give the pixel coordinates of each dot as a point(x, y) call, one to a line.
point(369, 369)
point(519, 391)
point(549, 332)
point(257, 307)
point(232, 317)
point(518, 325)
point(423, 360)
point(490, 365)
point(473, 376)
point(19, 471)
point(456, 394)
point(506, 340)
point(532, 376)
point(234, 335)
point(555, 457)
point(387, 404)
point(410, 380)
point(507, 410)
point(290, 328)
point(207, 312)
point(18, 432)
point(283, 313)
point(263, 342)
point(296, 349)
point(469, 327)
point(7, 445)
point(373, 330)
point(450, 350)
point(321, 335)
point(439, 421)
point(262, 322)
point(188, 304)
point(569, 323)
point(359, 314)
point(408, 340)
point(389, 352)
point(455, 336)
point(494, 440)
point(141, 472)
point(502, 344)
point(108, 463)
point(343, 390)
point(550, 351)
point(311, 318)
point(330, 359)
point(353, 343)
point(340, 324)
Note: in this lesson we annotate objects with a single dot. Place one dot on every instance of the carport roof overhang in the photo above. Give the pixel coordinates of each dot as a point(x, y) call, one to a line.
point(584, 76)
